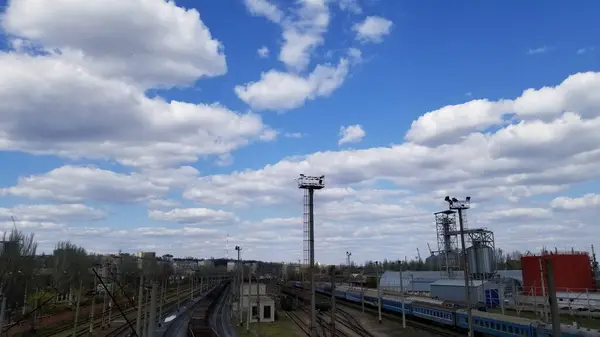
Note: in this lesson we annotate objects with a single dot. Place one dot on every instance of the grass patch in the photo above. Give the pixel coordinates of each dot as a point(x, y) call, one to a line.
point(584, 321)
point(283, 327)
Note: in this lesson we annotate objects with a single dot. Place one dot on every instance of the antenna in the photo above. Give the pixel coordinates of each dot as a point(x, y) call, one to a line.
point(227, 246)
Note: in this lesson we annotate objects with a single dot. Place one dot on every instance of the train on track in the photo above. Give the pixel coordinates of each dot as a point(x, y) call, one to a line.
point(200, 325)
point(447, 314)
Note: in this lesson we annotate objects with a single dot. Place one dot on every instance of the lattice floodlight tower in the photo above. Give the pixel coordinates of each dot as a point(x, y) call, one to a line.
point(310, 184)
point(447, 240)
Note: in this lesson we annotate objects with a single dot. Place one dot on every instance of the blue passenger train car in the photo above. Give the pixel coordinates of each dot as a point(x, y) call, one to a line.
point(496, 324)
point(440, 315)
point(483, 322)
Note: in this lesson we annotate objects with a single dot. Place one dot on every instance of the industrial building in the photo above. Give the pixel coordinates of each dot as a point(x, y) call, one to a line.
point(572, 272)
point(256, 295)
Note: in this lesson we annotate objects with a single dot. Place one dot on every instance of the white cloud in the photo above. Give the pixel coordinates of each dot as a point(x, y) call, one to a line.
point(162, 203)
point(264, 8)
point(372, 29)
point(87, 100)
point(284, 91)
point(79, 184)
point(151, 42)
point(575, 93)
point(50, 213)
point(56, 107)
point(587, 201)
point(197, 216)
point(263, 52)
point(351, 6)
point(351, 134)
point(539, 50)
point(585, 50)
point(303, 28)
point(552, 148)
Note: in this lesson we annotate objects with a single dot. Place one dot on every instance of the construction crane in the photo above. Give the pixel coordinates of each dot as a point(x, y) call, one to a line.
point(419, 254)
point(430, 251)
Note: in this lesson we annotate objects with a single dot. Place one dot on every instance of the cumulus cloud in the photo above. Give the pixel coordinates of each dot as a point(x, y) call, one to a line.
point(280, 91)
point(372, 29)
point(351, 134)
point(450, 123)
point(79, 184)
point(138, 40)
point(51, 213)
point(303, 29)
point(587, 201)
point(67, 91)
point(84, 97)
point(549, 146)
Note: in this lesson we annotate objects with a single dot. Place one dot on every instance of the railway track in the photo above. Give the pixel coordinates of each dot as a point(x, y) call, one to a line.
point(202, 322)
point(169, 306)
point(298, 321)
point(84, 322)
point(351, 326)
point(437, 330)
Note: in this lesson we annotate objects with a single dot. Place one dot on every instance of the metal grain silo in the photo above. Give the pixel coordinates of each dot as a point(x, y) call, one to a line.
point(481, 261)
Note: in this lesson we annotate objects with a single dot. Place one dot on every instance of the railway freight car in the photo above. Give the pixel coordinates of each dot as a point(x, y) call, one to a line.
point(199, 325)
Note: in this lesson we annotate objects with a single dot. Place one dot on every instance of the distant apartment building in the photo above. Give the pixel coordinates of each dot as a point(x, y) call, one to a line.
point(142, 256)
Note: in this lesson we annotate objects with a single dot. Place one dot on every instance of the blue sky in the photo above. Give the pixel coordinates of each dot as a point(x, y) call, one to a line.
point(102, 160)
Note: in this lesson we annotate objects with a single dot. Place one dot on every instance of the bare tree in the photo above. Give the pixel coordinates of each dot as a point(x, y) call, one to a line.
point(72, 265)
point(17, 267)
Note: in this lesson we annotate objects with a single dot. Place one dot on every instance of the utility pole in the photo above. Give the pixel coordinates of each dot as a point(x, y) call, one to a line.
point(402, 296)
point(93, 303)
point(77, 308)
point(333, 315)
point(104, 276)
point(138, 322)
point(192, 287)
point(249, 311)
point(241, 278)
point(258, 311)
point(147, 312)
point(552, 297)
point(544, 311)
point(177, 289)
point(2, 309)
point(378, 291)
point(160, 303)
point(152, 319)
point(460, 206)
point(362, 290)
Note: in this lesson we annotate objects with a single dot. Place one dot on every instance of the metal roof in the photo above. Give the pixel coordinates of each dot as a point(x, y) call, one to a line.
point(456, 283)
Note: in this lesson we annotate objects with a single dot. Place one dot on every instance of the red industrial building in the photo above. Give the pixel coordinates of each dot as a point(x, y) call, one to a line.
point(572, 272)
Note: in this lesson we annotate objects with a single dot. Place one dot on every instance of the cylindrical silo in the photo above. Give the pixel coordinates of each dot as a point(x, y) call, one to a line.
point(481, 261)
